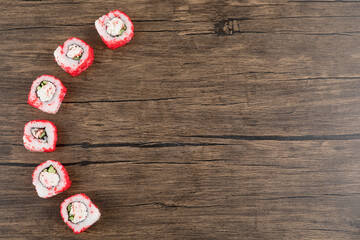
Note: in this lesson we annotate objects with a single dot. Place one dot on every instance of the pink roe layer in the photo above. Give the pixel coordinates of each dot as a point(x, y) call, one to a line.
point(65, 217)
point(30, 139)
point(34, 101)
point(59, 167)
point(81, 67)
point(114, 43)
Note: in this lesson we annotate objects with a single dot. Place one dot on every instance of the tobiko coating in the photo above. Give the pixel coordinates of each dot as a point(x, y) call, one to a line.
point(50, 178)
point(115, 29)
point(79, 212)
point(40, 136)
point(47, 94)
point(75, 56)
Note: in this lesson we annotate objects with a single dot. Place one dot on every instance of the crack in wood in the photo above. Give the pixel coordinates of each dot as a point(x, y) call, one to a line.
point(165, 205)
point(128, 100)
point(152, 20)
point(321, 1)
point(327, 230)
point(52, 3)
point(111, 101)
point(355, 136)
point(228, 26)
point(289, 197)
point(87, 145)
point(86, 163)
point(45, 27)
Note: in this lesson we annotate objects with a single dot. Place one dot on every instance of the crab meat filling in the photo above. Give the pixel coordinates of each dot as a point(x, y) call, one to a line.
point(77, 212)
point(49, 177)
point(45, 91)
point(115, 27)
point(38, 133)
point(75, 52)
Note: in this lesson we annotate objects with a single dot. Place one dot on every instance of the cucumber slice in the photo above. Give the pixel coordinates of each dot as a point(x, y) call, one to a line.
point(69, 207)
point(71, 218)
point(122, 30)
point(43, 83)
point(77, 58)
point(42, 134)
point(44, 170)
point(51, 169)
point(38, 88)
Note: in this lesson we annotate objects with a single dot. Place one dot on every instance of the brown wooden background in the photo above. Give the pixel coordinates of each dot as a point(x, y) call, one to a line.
point(220, 119)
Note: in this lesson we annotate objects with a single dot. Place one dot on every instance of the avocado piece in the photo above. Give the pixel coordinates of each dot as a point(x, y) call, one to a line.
point(51, 169)
point(71, 218)
point(44, 170)
point(38, 88)
point(77, 58)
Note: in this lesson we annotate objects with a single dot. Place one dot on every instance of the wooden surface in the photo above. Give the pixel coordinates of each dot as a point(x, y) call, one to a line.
point(219, 120)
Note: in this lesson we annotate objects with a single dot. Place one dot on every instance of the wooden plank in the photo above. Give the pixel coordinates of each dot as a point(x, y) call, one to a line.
point(219, 120)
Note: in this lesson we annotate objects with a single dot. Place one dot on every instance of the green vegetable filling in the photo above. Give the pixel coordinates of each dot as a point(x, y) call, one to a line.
point(77, 58)
point(122, 30)
point(50, 169)
point(42, 134)
point(71, 217)
point(38, 133)
point(43, 83)
point(69, 207)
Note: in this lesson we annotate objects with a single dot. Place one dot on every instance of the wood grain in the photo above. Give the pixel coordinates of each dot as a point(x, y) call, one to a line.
point(219, 120)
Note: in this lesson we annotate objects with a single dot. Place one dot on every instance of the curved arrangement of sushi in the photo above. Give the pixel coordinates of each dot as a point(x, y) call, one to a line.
point(79, 213)
point(46, 94)
point(75, 56)
point(50, 178)
point(115, 29)
point(40, 136)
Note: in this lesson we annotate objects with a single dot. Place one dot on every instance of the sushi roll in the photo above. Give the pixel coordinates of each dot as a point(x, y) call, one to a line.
point(75, 56)
point(46, 94)
point(50, 178)
point(79, 213)
point(40, 136)
point(115, 29)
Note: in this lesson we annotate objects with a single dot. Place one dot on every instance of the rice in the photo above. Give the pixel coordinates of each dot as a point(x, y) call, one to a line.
point(46, 143)
point(47, 97)
point(108, 29)
point(90, 215)
point(48, 184)
point(69, 64)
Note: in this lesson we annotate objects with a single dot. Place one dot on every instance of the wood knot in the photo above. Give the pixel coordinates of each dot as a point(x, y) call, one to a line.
point(228, 26)
point(224, 27)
